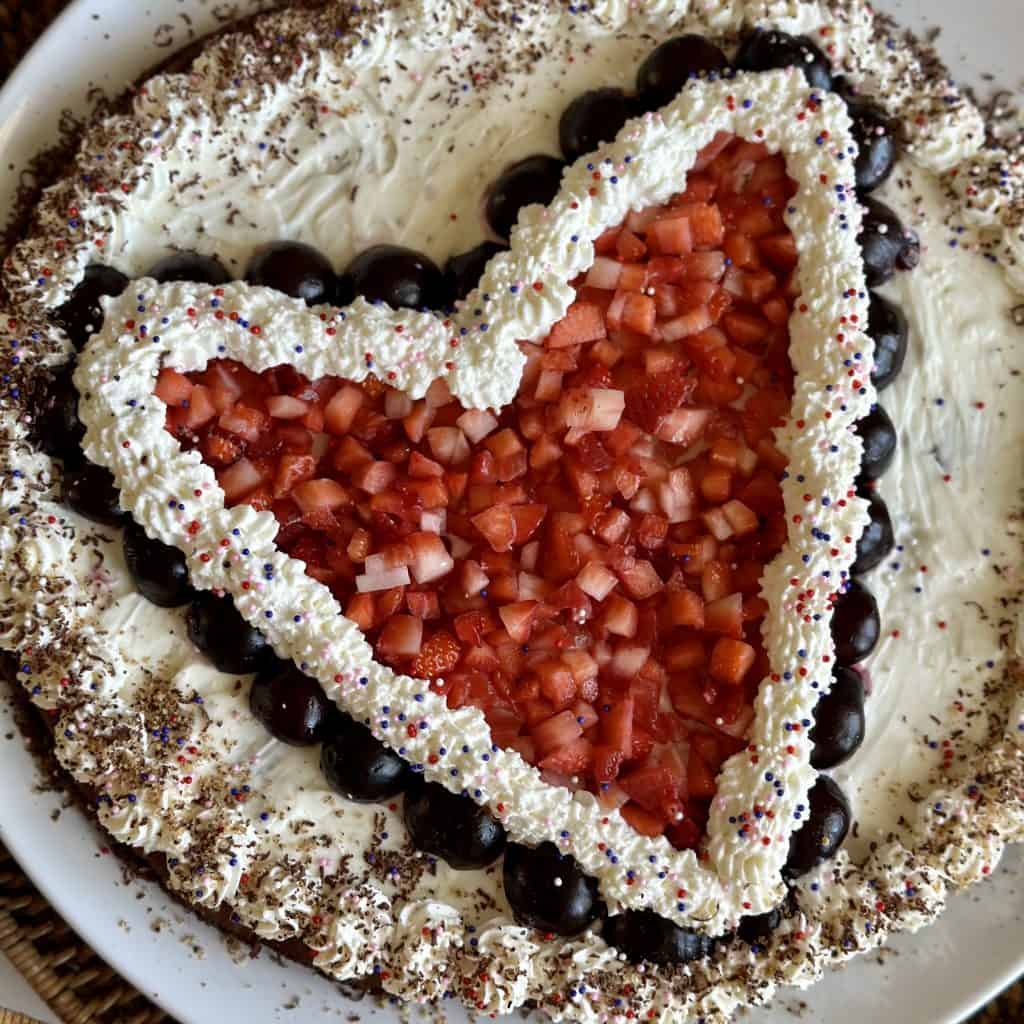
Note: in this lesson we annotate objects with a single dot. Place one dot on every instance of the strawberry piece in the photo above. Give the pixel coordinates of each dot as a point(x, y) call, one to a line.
point(643, 822)
point(291, 471)
point(700, 780)
point(725, 616)
point(172, 387)
point(430, 558)
point(519, 618)
point(672, 235)
point(583, 322)
point(244, 422)
point(653, 398)
point(567, 760)
point(731, 660)
point(629, 247)
point(498, 527)
point(401, 637)
point(556, 732)
point(438, 655)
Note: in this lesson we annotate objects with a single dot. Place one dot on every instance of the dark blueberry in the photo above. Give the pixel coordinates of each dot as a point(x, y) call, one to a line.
point(673, 64)
point(158, 569)
point(89, 490)
point(758, 928)
point(877, 539)
point(57, 429)
point(219, 631)
point(823, 831)
point(595, 117)
point(463, 272)
point(359, 766)
point(452, 827)
point(548, 891)
point(838, 720)
point(764, 50)
point(189, 266)
point(291, 706)
point(877, 432)
point(887, 327)
point(536, 179)
point(644, 936)
point(294, 268)
point(81, 316)
point(885, 244)
point(398, 276)
point(855, 624)
point(344, 290)
point(875, 135)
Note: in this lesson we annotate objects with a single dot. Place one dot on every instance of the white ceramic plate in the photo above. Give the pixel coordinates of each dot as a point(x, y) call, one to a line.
point(939, 976)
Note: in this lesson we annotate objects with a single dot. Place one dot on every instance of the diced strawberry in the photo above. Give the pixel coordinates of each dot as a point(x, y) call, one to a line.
point(641, 580)
point(340, 411)
point(639, 313)
point(320, 495)
point(438, 655)
point(685, 608)
point(424, 605)
point(582, 323)
point(740, 518)
point(654, 788)
point(711, 151)
point(401, 637)
point(700, 780)
point(705, 222)
point(292, 470)
point(567, 760)
point(684, 835)
point(498, 526)
point(360, 610)
point(642, 821)
point(430, 558)
point(240, 479)
point(779, 250)
point(519, 618)
point(556, 732)
point(172, 387)
point(725, 616)
point(629, 247)
point(705, 266)
point(620, 616)
point(245, 422)
point(672, 235)
point(556, 683)
point(692, 322)
point(745, 328)
point(284, 407)
point(374, 477)
point(617, 727)
point(448, 445)
point(731, 660)
point(527, 518)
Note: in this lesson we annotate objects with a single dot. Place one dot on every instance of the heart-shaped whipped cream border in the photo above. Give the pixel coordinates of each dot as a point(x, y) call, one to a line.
point(175, 497)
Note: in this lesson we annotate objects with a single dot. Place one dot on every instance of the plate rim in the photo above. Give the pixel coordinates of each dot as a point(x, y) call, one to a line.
point(19, 841)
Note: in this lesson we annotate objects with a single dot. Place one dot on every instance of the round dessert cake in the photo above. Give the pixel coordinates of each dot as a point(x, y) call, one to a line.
point(519, 502)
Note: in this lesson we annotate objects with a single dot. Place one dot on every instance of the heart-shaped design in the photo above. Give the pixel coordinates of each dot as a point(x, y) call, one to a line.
point(523, 293)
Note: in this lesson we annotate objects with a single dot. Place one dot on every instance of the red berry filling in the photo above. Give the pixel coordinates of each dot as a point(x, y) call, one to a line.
point(585, 566)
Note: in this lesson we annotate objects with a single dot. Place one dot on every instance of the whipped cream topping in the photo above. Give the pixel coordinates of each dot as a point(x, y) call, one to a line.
point(65, 601)
point(177, 500)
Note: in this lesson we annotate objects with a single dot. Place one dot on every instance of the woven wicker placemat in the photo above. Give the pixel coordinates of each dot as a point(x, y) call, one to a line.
point(69, 976)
